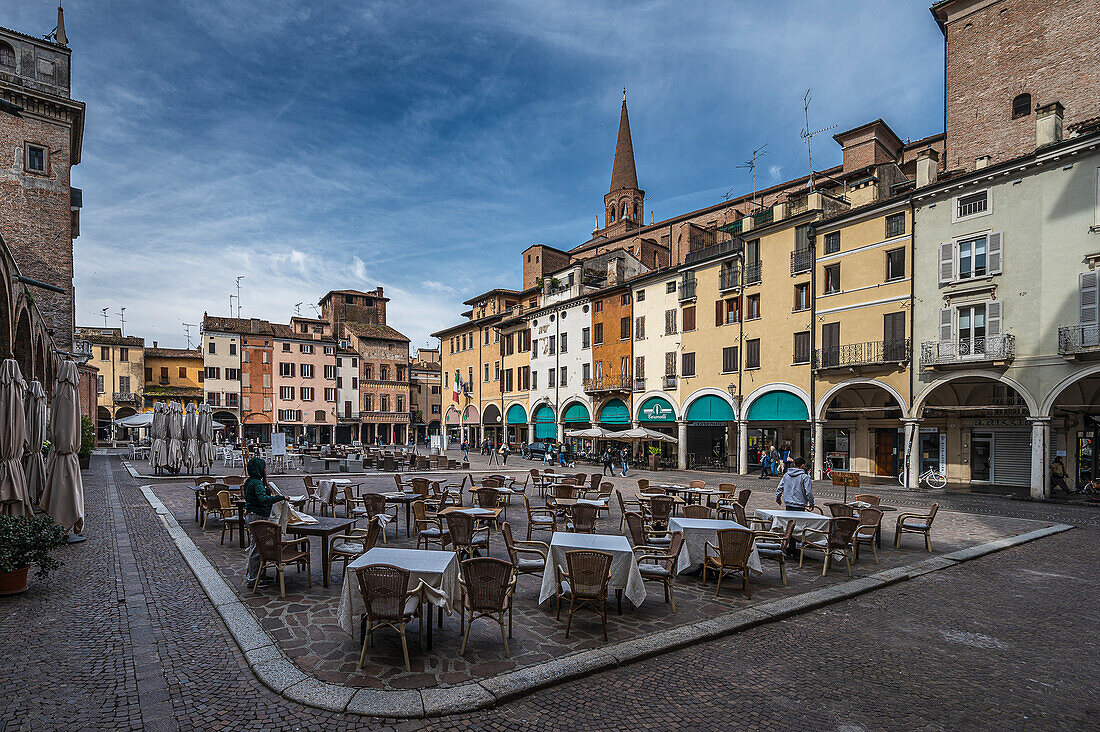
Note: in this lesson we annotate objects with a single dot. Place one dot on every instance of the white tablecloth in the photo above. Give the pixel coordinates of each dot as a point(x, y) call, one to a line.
point(802, 519)
point(697, 532)
point(624, 569)
point(438, 570)
point(329, 486)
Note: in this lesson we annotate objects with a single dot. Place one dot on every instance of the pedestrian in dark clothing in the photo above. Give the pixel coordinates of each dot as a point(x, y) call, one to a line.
point(764, 462)
point(259, 497)
point(1058, 475)
point(607, 462)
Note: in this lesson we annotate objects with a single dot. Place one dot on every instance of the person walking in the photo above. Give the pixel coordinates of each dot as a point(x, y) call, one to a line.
point(608, 466)
point(775, 458)
point(765, 452)
point(259, 497)
point(1058, 475)
point(504, 450)
point(491, 452)
point(466, 451)
point(623, 456)
point(795, 490)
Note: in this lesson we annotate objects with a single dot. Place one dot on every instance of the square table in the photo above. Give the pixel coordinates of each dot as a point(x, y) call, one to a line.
point(325, 527)
point(802, 519)
point(625, 577)
point(697, 532)
point(406, 498)
point(436, 569)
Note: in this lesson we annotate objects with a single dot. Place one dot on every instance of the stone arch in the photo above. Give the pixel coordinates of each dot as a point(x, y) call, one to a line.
point(777, 386)
point(542, 402)
point(24, 346)
point(639, 401)
point(823, 404)
point(710, 391)
point(40, 359)
point(7, 307)
point(919, 402)
point(1059, 388)
point(490, 416)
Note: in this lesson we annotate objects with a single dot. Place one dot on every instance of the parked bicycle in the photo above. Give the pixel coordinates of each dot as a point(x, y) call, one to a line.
point(931, 478)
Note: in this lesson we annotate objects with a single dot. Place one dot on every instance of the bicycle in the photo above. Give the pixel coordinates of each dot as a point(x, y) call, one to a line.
point(931, 477)
point(827, 470)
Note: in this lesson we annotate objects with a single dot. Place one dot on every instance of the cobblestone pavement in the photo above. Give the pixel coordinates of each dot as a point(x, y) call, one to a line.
point(122, 637)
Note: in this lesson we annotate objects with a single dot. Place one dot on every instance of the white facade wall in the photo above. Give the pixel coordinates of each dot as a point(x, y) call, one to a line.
point(567, 319)
point(656, 343)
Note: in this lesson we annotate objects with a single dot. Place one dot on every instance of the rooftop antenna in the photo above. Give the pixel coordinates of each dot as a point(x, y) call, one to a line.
point(231, 305)
point(297, 308)
point(187, 329)
point(122, 316)
point(809, 136)
point(316, 310)
point(238, 296)
point(751, 165)
point(104, 311)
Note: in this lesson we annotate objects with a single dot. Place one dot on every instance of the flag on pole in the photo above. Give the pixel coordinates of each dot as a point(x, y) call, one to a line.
point(457, 386)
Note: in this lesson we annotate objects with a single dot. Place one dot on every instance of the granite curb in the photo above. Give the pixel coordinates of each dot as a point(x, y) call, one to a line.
point(279, 674)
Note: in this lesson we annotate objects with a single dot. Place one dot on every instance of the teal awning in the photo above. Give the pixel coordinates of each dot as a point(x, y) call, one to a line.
point(711, 408)
point(656, 409)
point(576, 412)
point(517, 415)
point(615, 412)
point(778, 406)
point(545, 427)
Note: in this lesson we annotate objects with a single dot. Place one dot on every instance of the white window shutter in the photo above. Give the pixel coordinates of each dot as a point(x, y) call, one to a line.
point(993, 318)
point(1089, 297)
point(995, 252)
point(946, 323)
point(947, 262)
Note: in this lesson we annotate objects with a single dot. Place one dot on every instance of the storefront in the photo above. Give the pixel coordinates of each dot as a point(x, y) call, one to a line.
point(471, 425)
point(777, 418)
point(615, 415)
point(711, 431)
point(516, 417)
point(492, 425)
point(1000, 451)
point(453, 422)
point(545, 426)
point(657, 414)
point(576, 417)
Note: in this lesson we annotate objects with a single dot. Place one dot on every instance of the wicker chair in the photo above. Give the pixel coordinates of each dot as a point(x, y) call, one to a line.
point(698, 484)
point(697, 511)
point(731, 556)
point(865, 533)
point(660, 509)
point(517, 548)
point(355, 543)
point(228, 512)
point(626, 506)
point(594, 481)
point(233, 480)
point(389, 602)
point(661, 566)
point(916, 523)
point(641, 538)
point(585, 584)
point(743, 497)
point(774, 546)
point(427, 527)
point(464, 537)
point(491, 498)
point(279, 552)
point(374, 504)
point(836, 542)
point(421, 486)
point(313, 499)
point(867, 498)
point(643, 485)
point(454, 491)
point(841, 509)
point(581, 518)
point(211, 504)
point(539, 519)
point(488, 585)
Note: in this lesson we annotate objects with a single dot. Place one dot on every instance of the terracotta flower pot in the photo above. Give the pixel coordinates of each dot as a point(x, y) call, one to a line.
point(12, 583)
point(653, 462)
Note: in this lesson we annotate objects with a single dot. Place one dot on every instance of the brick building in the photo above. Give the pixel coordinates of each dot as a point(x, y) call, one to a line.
point(41, 131)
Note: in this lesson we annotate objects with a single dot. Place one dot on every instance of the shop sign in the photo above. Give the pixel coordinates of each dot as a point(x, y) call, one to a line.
point(657, 412)
point(707, 424)
point(844, 478)
point(1001, 422)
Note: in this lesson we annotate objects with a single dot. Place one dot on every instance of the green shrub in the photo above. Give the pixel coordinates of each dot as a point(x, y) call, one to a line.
point(87, 438)
point(27, 540)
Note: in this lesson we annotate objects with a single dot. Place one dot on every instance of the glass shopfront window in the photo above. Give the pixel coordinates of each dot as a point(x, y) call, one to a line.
point(836, 447)
point(1085, 457)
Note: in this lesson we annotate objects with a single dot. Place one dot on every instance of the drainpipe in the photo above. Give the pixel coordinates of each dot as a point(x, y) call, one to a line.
point(816, 467)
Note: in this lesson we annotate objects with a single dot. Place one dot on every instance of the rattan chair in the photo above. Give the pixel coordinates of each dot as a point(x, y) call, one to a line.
point(539, 519)
point(279, 552)
point(355, 543)
point(916, 523)
point(661, 566)
point(228, 513)
point(233, 480)
point(641, 538)
point(699, 484)
point(643, 485)
point(867, 498)
point(660, 510)
point(697, 511)
point(585, 584)
point(743, 497)
point(625, 506)
point(581, 518)
point(427, 527)
point(869, 520)
point(464, 537)
point(488, 585)
point(211, 504)
point(454, 491)
point(731, 556)
point(836, 542)
point(491, 498)
point(517, 548)
point(774, 546)
point(841, 509)
point(374, 504)
point(389, 602)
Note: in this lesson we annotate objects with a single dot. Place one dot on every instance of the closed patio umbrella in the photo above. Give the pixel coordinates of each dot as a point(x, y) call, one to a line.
point(63, 498)
point(206, 436)
point(191, 438)
point(175, 437)
point(14, 499)
point(34, 467)
point(158, 452)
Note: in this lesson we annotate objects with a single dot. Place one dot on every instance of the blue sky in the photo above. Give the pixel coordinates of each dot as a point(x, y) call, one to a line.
point(422, 145)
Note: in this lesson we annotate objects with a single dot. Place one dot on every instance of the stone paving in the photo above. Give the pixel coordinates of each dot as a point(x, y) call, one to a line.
point(305, 622)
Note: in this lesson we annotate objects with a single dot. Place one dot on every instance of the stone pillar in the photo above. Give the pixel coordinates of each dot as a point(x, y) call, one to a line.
point(530, 433)
point(819, 450)
point(1040, 438)
point(682, 446)
point(731, 445)
point(911, 452)
point(743, 447)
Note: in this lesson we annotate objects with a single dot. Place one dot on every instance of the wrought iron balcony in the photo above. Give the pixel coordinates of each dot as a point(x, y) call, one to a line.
point(1075, 341)
point(127, 397)
point(686, 289)
point(608, 383)
point(639, 384)
point(753, 273)
point(863, 355)
point(347, 416)
point(729, 278)
point(670, 381)
point(726, 246)
point(967, 351)
point(802, 261)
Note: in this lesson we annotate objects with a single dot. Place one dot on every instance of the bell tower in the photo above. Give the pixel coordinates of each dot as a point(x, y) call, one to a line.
point(624, 203)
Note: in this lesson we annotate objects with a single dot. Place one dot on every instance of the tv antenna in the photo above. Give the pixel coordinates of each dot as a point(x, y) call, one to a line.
point(122, 316)
point(104, 311)
point(809, 136)
point(231, 304)
point(316, 310)
point(297, 308)
point(241, 277)
point(751, 165)
point(187, 329)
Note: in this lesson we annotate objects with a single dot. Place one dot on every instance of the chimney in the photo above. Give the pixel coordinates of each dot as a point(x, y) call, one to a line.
point(1048, 124)
point(927, 167)
point(154, 344)
point(982, 162)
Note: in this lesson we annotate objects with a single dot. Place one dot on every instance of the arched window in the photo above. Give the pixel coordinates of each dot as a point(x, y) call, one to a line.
point(7, 55)
point(1021, 106)
point(624, 211)
point(637, 211)
point(611, 214)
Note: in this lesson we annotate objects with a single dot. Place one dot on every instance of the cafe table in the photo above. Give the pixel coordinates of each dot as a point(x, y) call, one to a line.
point(625, 577)
point(802, 519)
point(406, 498)
point(436, 569)
point(491, 515)
point(325, 527)
point(697, 532)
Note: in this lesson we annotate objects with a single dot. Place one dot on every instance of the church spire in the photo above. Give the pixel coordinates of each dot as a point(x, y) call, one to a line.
point(623, 174)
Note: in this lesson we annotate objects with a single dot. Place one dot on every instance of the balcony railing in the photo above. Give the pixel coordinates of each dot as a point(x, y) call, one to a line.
point(687, 289)
point(967, 351)
point(1077, 340)
point(670, 381)
point(347, 416)
point(728, 278)
point(802, 261)
point(639, 384)
point(763, 217)
point(727, 246)
point(608, 383)
point(123, 397)
point(753, 273)
point(854, 355)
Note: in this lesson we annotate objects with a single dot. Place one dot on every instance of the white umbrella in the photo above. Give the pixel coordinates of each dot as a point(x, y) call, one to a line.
point(63, 498)
point(191, 437)
point(14, 499)
point(175, 437)
point(206, 436)
point(136, 421)
point(592, 433)
point(158, 452)
point(640, 434)
point(34, 467)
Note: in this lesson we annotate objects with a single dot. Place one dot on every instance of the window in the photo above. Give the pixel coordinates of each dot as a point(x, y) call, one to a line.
point(727, 311)
point(895, 224)
point(597, 306)
point(211, 348)
point(232, 349)
point(305, 348)
point(233, 374)
point(330, 350)
point(729, 359)
point(384, 403)
point(286, 348)
point(286, 393)
point(368, 371)
point(670, 363)
point(586, 337)
point(551, 379)
point(267, 382)
point(486, 377)
point(124, 384)
point(752, 307)
point(670, 287)
point(496, 371)
point(307, 393)
point(832, 242)
point(99, 383)
point(563, 342)
point(639, 328)
point(384, 372)
point(689, 318)
point(802, 296)
point(534, 347)
point(265, 357)
point(400, 403)
point(245, 379)
point(625, 299)
point(624, 328)
point(895, 264)
point(687, 364)
point(7, 55)
point(972, 258)
point(213, 398)
point(639, 367)
point(586, 372)
point(486, 342)
point(213, 372)
point(534, 379)
point(551, 345)
point(36, 159)
point(1021, 106)
point(104, 353)
point(802, 347)
point(330, 371)
point(183, 372)
point(832, 279)
point(202, 375)
point(752, 354)
point(562, 376)
point(307, 371)
point(973, 204)
point(286, 370)
point(639, 296)
point(124, 355)
point(802, 238)
point(670, 322)
point(319, 415)
point(368, 402)
point(893, 337)
point(435, 409)
point(597, 339)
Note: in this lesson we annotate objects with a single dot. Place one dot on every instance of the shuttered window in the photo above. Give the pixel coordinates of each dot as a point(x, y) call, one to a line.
point(689, 318)
point(670, 322)
point(752, 354)
point(670, 363)
point(639, 328)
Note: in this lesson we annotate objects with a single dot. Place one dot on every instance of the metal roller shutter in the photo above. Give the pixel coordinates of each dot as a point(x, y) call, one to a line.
point(1012, 457)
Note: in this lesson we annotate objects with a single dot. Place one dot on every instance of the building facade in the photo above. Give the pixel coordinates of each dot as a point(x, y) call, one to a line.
point(425, 394)
point(221, 340)
point(173, 375)
point(120, 362)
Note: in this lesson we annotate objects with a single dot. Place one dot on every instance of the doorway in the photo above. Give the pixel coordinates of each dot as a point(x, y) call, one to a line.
point(981, 457)
point(886, 452)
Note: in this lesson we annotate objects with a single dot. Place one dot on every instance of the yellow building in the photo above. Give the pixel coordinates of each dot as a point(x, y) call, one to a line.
point(173, 375)
point(121, 363)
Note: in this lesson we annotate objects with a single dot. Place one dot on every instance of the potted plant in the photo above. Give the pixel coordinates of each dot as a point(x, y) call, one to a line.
point(87, 441)
point(27, 540)
point(654, 457)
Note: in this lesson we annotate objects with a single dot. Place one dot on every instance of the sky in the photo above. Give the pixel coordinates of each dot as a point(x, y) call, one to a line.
point(421, 146)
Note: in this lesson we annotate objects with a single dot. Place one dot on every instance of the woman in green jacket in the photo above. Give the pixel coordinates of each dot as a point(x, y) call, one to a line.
point(259, 497)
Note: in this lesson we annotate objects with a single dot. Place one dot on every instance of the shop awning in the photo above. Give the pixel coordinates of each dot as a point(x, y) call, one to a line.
point(576, 412)
point(656, 409)
point(471, 415)
point(778, 406)
point(517, 415)
point(711, 408)
point(615, 412)
point(545, 427)
point(453, 416)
